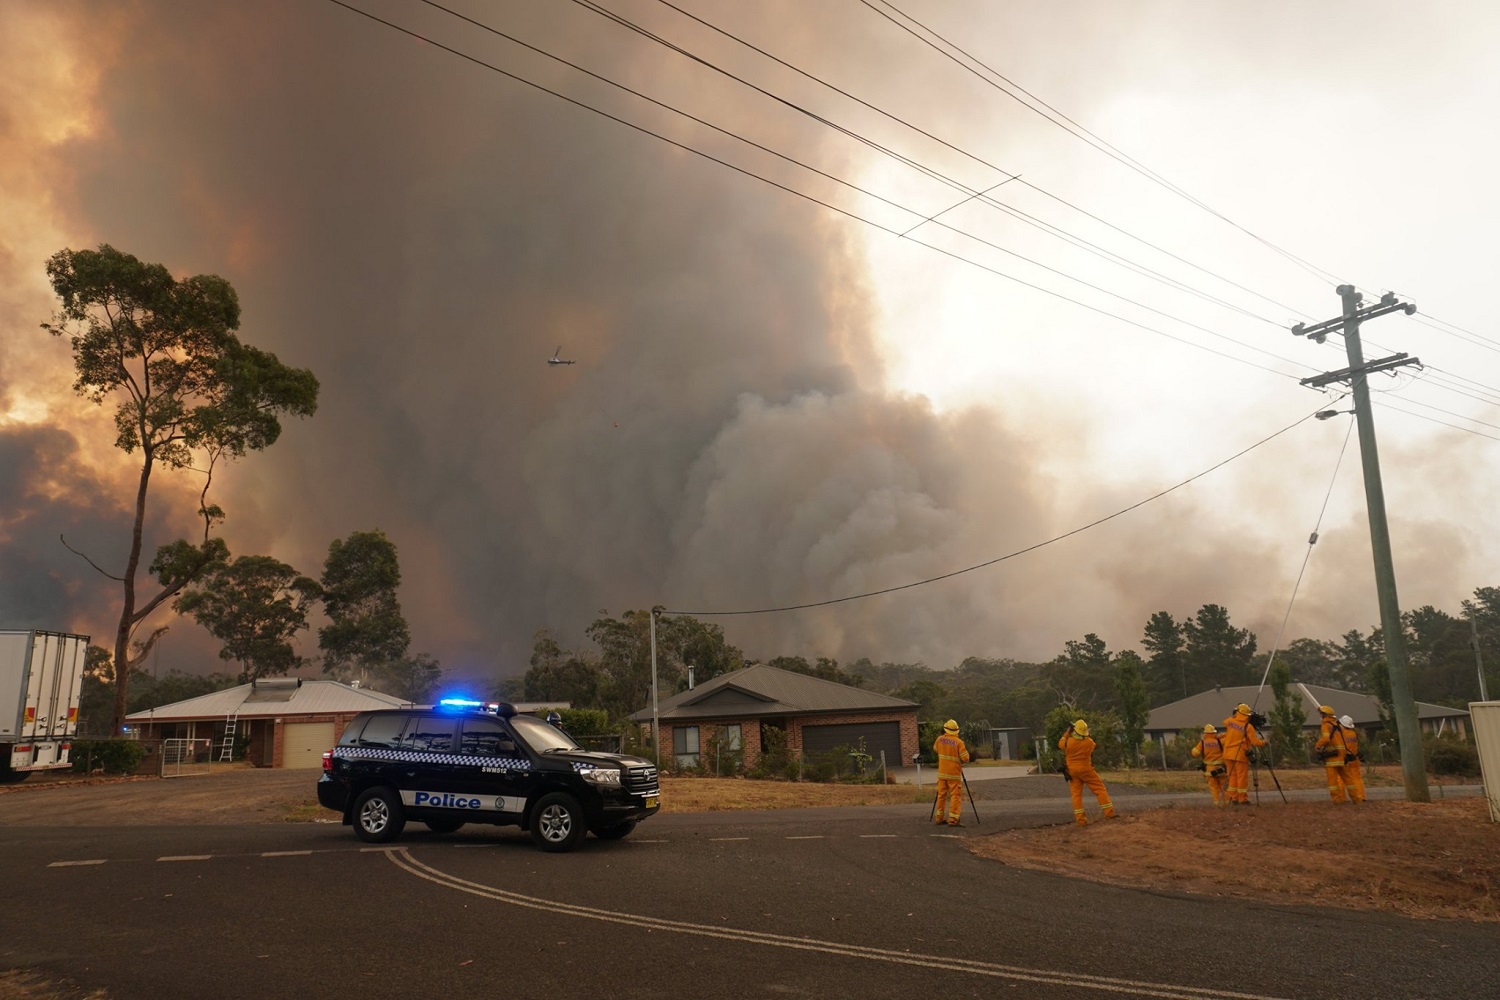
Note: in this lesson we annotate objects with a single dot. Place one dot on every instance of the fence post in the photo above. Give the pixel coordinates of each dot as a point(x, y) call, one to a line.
point(1164, 752)
point(884, 777)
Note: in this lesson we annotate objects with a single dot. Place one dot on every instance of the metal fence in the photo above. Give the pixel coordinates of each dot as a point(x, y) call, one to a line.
point(180, 758)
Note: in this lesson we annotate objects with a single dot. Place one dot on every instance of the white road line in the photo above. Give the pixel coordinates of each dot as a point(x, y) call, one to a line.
point(719, 840)
point(75, 864)
point(285, 854)
point(642, 840)
point(816, 836)
point(948, 963)
point(878, 836)
point(186, 857)
point(947, 836)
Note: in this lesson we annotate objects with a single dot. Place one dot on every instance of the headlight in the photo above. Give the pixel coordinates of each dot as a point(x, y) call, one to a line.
point(603, 776)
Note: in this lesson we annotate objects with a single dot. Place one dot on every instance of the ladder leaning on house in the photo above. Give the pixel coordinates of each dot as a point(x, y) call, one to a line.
point(226, 751)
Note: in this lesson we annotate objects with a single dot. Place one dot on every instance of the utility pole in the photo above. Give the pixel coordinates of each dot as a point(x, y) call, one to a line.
point(655, 705)
point(1408, 730)
point(1484, 694)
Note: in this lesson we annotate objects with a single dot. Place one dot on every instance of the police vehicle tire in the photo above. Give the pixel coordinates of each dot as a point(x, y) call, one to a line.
point(557, 822)
point(377, 816)
point(617, 832)
point(443, 825)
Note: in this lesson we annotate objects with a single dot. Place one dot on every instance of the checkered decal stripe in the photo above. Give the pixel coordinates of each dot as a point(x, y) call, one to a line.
point(416, 757)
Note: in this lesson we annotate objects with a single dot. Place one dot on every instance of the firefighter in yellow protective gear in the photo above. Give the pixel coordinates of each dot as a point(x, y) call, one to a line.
point(1338, 745)
point(1211, 749)
point(952, 755)
point(1078, 768)
point(1240, 738)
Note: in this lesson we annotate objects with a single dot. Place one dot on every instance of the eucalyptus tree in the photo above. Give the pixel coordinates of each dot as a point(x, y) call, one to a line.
point(366, 628)
point(255, 606)
point(188, 394)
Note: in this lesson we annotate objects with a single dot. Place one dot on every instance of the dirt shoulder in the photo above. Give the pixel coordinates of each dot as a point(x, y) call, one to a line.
point(1428, 860)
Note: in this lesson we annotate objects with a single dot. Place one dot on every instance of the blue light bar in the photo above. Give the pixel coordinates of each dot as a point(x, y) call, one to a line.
point(461, 703)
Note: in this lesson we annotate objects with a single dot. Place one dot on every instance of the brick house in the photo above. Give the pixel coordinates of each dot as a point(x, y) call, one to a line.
point(733, 710)
point(289, 721)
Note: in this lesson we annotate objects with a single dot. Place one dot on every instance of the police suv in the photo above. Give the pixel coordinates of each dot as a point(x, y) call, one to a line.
point(469, 762)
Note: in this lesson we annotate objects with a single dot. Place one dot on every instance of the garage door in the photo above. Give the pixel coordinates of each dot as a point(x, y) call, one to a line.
point(304, 743)
point(878, 736)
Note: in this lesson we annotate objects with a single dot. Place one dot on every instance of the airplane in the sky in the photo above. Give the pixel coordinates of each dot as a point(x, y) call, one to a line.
point(557, 358)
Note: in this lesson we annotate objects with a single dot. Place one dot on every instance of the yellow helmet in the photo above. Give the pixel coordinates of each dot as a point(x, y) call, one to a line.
point(1242, 708)
point(950, 726)
point(1325, 710)
point(1209, 729)
point(1081, 728)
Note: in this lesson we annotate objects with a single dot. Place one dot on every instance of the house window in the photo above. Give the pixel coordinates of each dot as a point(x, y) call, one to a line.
point(685, 745)
point(730, 737)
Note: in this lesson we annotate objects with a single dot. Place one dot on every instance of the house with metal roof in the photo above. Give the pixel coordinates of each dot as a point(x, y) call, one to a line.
point(279, 721)
point(1218, 704)
point(734, 710)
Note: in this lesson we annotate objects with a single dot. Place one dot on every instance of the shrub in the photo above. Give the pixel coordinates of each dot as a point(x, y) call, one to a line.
point(776, 760)
point(1449, 755)
point(110, 756)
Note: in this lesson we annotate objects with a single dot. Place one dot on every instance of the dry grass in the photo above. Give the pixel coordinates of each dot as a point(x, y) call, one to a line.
point(1429, 860)
point(691, 795)
point(17, 984)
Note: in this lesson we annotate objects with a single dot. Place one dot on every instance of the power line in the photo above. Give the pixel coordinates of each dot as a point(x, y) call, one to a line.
point(995, 203)
point(801, 194)
point(1386, 403)
point(1010, 555)
point(1085, 135)
point(855, 187)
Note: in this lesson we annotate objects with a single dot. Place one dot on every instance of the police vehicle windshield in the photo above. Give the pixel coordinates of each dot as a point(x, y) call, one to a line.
point(540, 736)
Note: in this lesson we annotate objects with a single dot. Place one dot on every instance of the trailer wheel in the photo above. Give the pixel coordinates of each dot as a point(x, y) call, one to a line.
point(9, 777)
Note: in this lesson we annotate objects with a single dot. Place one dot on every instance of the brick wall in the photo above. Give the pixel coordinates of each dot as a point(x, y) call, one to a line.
point(750, 732)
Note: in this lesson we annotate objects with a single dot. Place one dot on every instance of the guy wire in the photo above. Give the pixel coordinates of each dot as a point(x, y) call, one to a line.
point(1311, 541)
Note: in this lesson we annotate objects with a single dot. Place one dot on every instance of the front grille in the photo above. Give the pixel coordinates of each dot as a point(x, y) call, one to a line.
point(641, 780)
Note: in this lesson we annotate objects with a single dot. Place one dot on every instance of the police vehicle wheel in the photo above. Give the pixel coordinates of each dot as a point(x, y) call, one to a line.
point(617, 832)
point(557, 822)
point(377, 816)
point(443, 825)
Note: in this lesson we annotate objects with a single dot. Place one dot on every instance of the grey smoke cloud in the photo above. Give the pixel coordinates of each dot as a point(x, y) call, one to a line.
point(423, 234)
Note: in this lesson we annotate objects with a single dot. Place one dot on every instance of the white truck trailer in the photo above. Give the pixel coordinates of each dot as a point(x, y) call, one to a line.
point(41, 678)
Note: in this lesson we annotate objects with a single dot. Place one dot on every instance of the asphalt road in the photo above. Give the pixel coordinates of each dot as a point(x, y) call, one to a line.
point(829, 903)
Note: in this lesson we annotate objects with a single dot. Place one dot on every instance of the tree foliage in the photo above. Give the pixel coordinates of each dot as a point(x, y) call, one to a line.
point(1166, 669)
point(187, 392)
point(1287, 716)
point(1133, 701)
point(255, 606)
point(411, 678)
point(366, 629)
point(1217, 652)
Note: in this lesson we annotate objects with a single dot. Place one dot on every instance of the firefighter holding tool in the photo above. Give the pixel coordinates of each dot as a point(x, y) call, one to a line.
point(1240, 741)
point(1210, 749)
point(952, 755)
point(1338, 745)
point(1078, 768)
